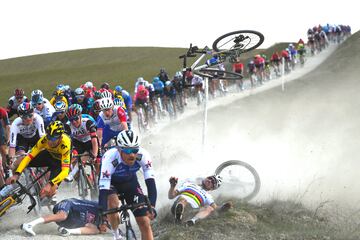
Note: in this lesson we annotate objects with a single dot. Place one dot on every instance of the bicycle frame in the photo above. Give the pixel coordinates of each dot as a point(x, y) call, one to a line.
point(16, 196)
point(84, 183)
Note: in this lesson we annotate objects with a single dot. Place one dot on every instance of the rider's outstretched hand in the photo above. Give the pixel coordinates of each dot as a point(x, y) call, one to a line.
point(173, 181)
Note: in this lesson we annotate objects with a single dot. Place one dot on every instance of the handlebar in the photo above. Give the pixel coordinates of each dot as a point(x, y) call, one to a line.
point(25, 190)
point(129, 207)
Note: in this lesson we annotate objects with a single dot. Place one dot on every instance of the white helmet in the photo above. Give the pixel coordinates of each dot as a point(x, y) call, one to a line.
point(60, 106)
point(37, 92)
point(89, 85)
point(106, 94)
point(79, 91)
point(216, 180)
point(106, 103)
point(128, 139)
point(140, 79)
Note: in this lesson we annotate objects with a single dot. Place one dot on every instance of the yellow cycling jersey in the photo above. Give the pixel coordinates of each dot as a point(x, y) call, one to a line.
point(53, 100)
point(61, 152)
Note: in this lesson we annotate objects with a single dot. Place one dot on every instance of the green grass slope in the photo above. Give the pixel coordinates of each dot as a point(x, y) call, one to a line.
point(117, 65)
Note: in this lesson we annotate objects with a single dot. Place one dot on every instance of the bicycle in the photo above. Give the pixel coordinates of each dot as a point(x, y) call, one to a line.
point(87, 180)
point(125, 216)
point(16, 195)
point(239, 179)
point(227, 47)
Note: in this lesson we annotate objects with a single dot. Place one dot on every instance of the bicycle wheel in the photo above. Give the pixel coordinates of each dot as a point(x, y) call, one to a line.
point(5, 205)
point(243, 41)
point(239, 179)
point(82, 188)
point(221, 74)
point(94, 187)
point(130, 234)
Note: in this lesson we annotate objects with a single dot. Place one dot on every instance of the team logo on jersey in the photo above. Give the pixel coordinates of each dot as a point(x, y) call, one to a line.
point(106, 174)
point(67, 161)
point(139, 157)
point(115, 162)
point(148, 164)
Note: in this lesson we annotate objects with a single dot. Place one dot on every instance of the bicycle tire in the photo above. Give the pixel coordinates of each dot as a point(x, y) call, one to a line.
point(82, 188)
point(252, 33)
point(212, 71)
point(130, 233)
point(94, 190)
point(252, 170)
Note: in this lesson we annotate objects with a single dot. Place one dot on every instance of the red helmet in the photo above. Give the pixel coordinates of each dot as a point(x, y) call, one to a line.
point(141, 88)
point(19, 93)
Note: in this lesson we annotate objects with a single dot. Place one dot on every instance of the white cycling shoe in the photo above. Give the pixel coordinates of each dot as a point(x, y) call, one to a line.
point(28, 228)
point(63, 231)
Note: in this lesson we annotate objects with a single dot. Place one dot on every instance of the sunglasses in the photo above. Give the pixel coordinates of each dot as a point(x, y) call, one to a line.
point(74, 119)
point(39, 103)
point(130, 150)
point(52, 139)
point(27, 116)
point(19, 98)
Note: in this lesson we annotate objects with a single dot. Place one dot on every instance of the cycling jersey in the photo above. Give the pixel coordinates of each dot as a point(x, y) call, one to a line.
point(85, 131)
point(115, 120)
point(127, 100)
point(79, 212)
point(26, 131)
point(158, 85)
point(13, 102)
point(197, 81)
point(46, 112)
point(170, 92)
point(59, 153)
point(195, 195)
point(4, 116)
point(143, 95)
point(238, 67)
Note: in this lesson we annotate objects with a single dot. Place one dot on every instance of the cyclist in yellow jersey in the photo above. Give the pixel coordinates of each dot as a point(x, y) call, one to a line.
point(52, 151)
point(59, 95)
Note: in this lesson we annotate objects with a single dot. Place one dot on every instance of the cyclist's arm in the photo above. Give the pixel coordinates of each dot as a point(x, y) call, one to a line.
point(107, 169)
point(39, 123)
point(100, 125)
point(122, 117)
point(149, 175)
point(90, 126)
point(65, 161)
point(173, 192)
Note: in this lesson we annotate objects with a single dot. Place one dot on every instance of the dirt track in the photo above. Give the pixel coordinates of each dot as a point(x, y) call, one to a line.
point(303, 141)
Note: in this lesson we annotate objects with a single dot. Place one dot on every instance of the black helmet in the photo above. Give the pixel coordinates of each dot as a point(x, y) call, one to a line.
point(55, 129)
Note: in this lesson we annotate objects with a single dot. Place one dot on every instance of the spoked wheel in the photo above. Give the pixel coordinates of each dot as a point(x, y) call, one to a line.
point(221, 74)
point(239, 179)
point(240, 41)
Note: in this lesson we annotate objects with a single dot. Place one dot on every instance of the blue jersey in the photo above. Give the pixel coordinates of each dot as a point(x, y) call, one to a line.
point(158, 85)
point(127, 100)
point(79, 212)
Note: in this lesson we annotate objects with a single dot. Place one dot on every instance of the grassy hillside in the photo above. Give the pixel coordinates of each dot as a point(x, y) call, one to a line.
point(122, 65)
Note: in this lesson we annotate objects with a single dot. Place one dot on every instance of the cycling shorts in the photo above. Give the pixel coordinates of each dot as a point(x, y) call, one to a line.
point(44, 159)
point(26, 144)
point(130, 190)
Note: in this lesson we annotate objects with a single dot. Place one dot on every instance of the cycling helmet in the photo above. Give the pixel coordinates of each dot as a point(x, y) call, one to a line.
point(118, 102)
point(79, 91)
point(106, 103)
point(291, 45)
point(128, 139)
point(141, 88)
point(60, 106)
point(118, 89)
point(89, 85)
point(37, 99)
point(24, 109)
point(19, 93)
point(37, 92)
point(257, 56)
point(96, 106)
point(55, 129)
point(216, 180)
point(67, 88)
point(60, 87)
point(106, 94)
point(105, 85)
point(167, 84)
point(162, 70)
point(74, 110)
point(156, 79)
point(97, 95)
point(251, 62)
point(140, 79)
point(178, 74)
point(59, 93)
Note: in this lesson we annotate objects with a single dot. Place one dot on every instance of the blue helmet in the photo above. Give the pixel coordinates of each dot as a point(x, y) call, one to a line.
point(156, 79)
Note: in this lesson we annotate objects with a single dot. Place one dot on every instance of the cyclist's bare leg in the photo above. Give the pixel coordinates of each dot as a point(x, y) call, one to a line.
point(18, 160)
point(145, 227)
point(114, 220)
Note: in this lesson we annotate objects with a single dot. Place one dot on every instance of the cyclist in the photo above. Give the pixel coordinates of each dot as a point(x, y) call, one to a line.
point(80, 98)
point(170, 95)
point(110, 121)
point(141, 99)
point(52, 151)
point(60, 114)
point(293, 53)
point(118, 176)
point(73, 216)
point(59, 95)
point(25, 131)
point(95, 109)
point(260, 67)
point(119, 91)
point(42, 107)
point(140, 81)
point(163, 76)
point(238, 67)
point(18, 98)
point(194, 193)
point(287, 59)
point(275, 61)
point(83, 136)
point(197, 84)
point(301, 51)
point(251, 69)
point(4, 137)
point(158, 95)
point(178, 84)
